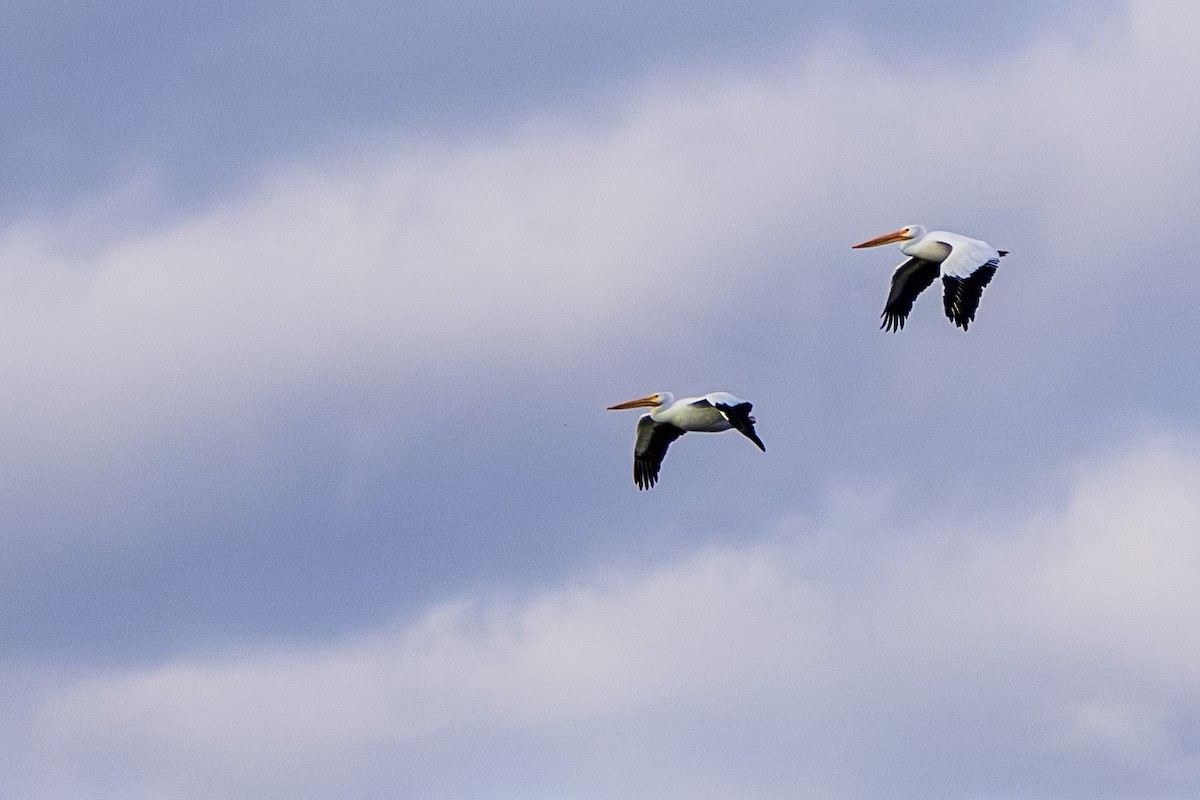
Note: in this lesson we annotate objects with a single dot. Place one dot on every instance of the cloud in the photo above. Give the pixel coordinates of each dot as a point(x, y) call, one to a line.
point(949, 641)
point(216, 98)
point(451, 244)
point(332, 355)
point(571, 227)
point(1053, 649)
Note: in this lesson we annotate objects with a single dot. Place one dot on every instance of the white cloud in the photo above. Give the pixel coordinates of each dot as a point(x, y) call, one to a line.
point(1049, 655)
point(1064, 639)
point(542, 239)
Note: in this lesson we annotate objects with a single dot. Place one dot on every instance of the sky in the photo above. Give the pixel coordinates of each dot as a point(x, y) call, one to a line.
point(309, 317)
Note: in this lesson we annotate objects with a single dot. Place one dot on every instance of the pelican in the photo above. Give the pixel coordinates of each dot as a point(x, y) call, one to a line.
point(670, 418)
point(966, 266)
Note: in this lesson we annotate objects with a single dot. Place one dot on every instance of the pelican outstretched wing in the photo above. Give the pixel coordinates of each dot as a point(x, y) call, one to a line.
point(961, 296)
point(649, 449)
point(739, 417)
point(909, 280)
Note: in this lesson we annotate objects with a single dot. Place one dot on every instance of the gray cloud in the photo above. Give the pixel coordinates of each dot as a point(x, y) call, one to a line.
point(275, 382)
point(1052, 648)
point(366, 391)
point(204, 100)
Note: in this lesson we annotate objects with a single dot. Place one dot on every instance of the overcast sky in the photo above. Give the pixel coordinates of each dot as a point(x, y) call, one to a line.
point(309, 315)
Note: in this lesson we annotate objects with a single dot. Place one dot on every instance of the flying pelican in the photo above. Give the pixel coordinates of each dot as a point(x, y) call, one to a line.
point(670, 418)
point(966, 266)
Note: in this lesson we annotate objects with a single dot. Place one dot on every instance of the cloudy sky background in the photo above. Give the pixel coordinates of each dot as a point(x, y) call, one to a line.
point(308, 319)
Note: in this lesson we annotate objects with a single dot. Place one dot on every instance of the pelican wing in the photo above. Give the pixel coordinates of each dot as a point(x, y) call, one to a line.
point(653, 439)
point(962, 295)
point(909, 280)
point(965, 255)
point(739, 417)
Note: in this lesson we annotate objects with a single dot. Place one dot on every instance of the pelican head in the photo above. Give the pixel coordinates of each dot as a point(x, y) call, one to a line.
point(905, 234)
point(656, 400)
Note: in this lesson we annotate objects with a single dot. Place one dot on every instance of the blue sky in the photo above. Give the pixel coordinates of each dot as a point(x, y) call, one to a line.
point(310, 321)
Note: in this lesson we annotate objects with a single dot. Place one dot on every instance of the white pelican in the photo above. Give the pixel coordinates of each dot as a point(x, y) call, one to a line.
point(966, 265)
point(670, 418)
